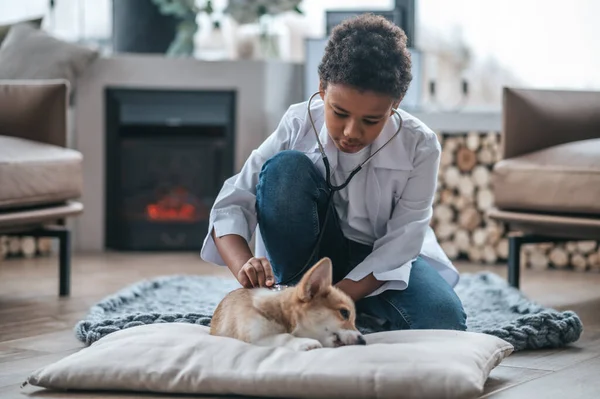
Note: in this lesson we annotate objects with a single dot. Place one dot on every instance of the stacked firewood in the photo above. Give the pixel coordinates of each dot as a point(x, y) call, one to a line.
point(465, 195)
point(24, 247)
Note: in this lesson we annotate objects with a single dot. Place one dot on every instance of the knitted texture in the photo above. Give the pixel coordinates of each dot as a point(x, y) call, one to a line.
point(492, 306)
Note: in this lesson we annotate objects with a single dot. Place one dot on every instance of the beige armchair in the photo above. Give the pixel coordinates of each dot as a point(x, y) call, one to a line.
point(40, 178)
point(547, 186)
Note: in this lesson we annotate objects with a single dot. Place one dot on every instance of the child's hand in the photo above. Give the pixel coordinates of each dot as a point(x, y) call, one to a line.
point(256, 272)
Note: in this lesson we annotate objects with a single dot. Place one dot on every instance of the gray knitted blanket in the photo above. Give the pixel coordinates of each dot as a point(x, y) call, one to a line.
point(492, 306)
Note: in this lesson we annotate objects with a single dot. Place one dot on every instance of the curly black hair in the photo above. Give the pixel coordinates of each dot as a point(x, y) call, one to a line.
point(369, 53)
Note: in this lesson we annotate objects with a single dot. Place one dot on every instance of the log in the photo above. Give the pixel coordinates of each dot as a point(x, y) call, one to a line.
point(3, 247)
point(494, 232)
point(571, 247)
point(28, 247)
point(491, 139)
point(469, 218)
point(450, 249)
point(447, 197)
point(451, 143)
point(44, 245)
point(545, 246)
point(586, 247)
point(489, 254)
point(466, 187)
point(538, 259)
point(485, 199)
point(461, 203)
point(479, 237)
point(524, 260)
point(443, 213)
point(498, 154)
point(465, 159)
point(485, 156)
point(502, 248)
point(472, 141)
point(559, 257)
point(447, 158)
point(462, 240)
point(14, 245)
point(451, 177)
point(445, 230)
point(593, 260)
point(481, 176)
point(475, 254)
point(579, 262)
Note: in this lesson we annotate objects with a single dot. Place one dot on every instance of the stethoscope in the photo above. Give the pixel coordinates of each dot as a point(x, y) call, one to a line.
point(332, 188)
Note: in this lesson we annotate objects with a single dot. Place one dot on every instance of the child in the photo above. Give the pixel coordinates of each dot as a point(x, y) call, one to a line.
point(377, 234)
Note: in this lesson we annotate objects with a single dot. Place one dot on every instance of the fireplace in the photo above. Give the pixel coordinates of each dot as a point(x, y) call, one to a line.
point(167, 156)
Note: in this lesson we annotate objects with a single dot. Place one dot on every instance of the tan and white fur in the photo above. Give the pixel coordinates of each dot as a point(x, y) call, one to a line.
point(313, 314)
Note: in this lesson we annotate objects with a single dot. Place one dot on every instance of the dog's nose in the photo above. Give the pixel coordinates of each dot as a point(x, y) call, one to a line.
point(360, 340)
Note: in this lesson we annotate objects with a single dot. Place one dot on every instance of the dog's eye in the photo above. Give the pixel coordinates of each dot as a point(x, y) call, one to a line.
point(345, 314)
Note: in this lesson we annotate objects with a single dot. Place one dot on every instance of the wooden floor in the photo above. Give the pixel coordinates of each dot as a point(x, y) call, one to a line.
point(36, 327)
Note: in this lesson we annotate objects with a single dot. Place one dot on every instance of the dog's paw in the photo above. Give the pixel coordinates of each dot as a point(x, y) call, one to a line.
point(305, 344)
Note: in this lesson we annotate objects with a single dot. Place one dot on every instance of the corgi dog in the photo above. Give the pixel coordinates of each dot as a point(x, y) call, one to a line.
point(311, 315)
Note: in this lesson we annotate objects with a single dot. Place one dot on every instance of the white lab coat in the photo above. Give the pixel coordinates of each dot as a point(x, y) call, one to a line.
point(401, 182)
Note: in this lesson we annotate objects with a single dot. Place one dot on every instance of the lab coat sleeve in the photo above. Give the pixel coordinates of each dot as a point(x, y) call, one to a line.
point(233, 211)
point(393, 253)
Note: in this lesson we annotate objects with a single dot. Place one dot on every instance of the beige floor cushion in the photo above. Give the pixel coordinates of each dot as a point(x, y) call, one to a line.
point(564, 178)
point(34, 173)
point(184, 358)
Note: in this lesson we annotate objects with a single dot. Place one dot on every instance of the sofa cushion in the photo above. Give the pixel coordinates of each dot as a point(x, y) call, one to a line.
point(34, 173)
point(563, 179)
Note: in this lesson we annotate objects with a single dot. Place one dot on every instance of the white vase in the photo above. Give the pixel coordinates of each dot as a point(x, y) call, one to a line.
point(212, 45)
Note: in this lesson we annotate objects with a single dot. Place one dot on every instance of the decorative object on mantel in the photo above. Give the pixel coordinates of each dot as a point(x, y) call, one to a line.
point(186, 11)
point(139, 27)
point(464, 195)
point(260, 15)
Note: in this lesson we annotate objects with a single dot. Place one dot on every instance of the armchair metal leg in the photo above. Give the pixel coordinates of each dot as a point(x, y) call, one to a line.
point(64, 256)
point(514, 260)
point(64, 266)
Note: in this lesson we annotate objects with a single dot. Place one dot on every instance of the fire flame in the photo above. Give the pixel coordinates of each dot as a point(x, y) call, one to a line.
point(175, 206)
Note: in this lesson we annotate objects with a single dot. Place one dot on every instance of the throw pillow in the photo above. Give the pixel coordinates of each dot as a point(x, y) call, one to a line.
point(30, 53)
point(36, 22)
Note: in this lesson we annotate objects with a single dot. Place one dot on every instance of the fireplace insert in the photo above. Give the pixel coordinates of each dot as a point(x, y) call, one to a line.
point(168, 153)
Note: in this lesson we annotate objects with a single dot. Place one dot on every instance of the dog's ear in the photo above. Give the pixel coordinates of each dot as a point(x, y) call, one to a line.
point(316, 280)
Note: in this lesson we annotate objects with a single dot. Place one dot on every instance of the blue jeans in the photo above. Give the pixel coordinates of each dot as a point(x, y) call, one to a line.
point(291, 202)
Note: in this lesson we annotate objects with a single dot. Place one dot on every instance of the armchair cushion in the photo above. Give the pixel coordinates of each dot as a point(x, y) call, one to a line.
point(561, 179)
point(34, 173)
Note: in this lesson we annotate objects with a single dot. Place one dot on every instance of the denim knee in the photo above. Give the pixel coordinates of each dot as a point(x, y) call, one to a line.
point(447, 314)
point(429, 302)
point(288, 167)
point(287, 179)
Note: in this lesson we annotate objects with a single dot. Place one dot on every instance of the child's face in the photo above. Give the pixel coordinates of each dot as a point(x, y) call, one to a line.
point(355, 118)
